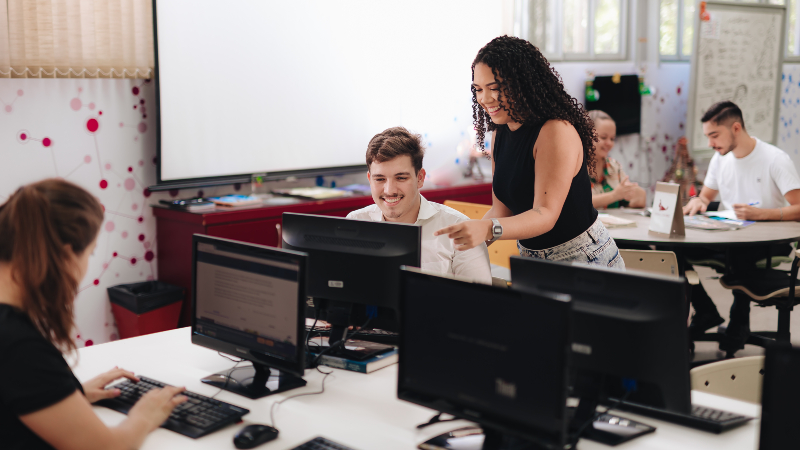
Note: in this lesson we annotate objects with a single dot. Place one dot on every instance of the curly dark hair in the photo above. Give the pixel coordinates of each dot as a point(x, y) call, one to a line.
point(533, 87)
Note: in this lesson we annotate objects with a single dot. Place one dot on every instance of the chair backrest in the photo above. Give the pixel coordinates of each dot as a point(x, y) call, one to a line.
point(739, 378)
point(500, 251)
point(653, 261)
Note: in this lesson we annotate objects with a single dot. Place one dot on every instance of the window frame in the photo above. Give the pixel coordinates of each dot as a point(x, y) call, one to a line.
point(680, 57)
point(559, 55)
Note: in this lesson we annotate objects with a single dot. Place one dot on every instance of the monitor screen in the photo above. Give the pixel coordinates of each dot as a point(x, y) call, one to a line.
point(353, 260)
point(248, 301)
point(626, 325)
point(466, 350)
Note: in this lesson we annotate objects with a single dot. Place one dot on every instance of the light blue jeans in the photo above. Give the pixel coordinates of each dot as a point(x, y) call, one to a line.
point(594, 246)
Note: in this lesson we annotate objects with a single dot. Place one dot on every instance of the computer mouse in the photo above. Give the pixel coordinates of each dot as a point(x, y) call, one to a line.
point(254, 435)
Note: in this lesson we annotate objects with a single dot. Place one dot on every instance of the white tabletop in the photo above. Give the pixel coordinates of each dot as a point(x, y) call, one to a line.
point(759, 233)
point(357, 410)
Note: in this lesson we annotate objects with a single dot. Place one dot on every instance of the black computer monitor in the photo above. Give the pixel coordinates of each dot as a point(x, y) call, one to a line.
point(780, 398)
point(248, 301)
point(486, 354)
point(628, 327)
point(352, 262)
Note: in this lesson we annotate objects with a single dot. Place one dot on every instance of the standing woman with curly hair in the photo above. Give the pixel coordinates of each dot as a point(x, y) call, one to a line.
point(48, 230)
point(543, 140)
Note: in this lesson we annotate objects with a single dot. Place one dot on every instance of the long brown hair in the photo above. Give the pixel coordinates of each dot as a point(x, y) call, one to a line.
point(37, 223)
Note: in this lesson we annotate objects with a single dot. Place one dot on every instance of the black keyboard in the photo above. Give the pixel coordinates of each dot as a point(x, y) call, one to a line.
point(320, 443)
point(195, 417)
point(701, 418)
point(373, 335)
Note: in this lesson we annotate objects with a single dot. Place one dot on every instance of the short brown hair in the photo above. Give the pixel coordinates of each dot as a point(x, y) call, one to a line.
point(723, 113)
point(36, 223)
point(394, 142)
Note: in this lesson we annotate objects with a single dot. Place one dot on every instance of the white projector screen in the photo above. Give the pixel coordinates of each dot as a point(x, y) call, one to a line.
point(258, 86)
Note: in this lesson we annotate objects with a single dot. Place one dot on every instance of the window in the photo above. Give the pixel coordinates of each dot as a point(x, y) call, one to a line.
point(573, 29)
point(76, 39)
point(676, 29)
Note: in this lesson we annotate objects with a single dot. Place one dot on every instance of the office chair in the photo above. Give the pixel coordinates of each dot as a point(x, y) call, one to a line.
point(739, 378)
point(500, 251)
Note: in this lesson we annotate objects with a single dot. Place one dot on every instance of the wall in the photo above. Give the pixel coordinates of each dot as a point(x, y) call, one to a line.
point(98, 133)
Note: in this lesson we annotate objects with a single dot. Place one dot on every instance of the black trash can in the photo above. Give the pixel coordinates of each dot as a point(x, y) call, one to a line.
point(146, 307)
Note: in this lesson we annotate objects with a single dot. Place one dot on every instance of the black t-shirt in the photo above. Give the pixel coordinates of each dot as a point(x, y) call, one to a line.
point(33, 376)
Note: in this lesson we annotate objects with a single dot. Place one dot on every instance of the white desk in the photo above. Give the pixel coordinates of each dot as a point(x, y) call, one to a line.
point(361, 411)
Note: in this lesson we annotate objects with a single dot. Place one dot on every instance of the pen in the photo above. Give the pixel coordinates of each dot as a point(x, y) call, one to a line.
point(753, 203)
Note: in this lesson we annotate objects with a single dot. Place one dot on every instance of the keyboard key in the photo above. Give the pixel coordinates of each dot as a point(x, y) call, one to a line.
point(196, 417)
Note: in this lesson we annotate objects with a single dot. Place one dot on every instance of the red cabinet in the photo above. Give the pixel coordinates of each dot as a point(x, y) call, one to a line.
point(259, 225)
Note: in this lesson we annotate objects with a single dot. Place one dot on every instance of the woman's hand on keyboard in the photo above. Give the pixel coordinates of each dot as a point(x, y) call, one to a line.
point(95, 389)
point(155, 406)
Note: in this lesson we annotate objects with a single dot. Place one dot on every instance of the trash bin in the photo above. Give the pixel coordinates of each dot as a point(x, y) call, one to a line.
point(146, 307)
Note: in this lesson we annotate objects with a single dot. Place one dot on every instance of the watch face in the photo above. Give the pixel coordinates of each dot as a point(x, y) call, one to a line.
point(497, 229)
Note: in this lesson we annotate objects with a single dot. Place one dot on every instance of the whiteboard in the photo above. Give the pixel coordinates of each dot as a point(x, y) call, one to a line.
point(737, 56)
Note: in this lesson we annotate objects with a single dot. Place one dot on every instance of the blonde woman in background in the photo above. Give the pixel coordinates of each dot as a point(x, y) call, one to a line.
point(610, 186)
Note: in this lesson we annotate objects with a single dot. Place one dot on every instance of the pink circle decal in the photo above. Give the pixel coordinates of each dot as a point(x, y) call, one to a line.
point(134, 206)
point(103, 184)
point(91, 106)
point(124, 234)
point(143, 110)
point(8, 108)
point(146, 245)
point(141, 101)
point(105, 266)
point(92, 125)
point(88, 343)
point(96, 282)
point(109, 226)
point(148, 256)
point(115, 254)
point(142, 127)
point(133, 261)
point(108, 166)
point(113, 337)
point(146, 192)
point(141, 163)
point(130, 169)
point(135, 90)
point(141, 238)
point(87, 159)
point(19, 93)
point(75, 104)
point(121, 124)
point(140, 219)
point(130, 183)
point(150, 278)
point(46, 142)
point(23, 136)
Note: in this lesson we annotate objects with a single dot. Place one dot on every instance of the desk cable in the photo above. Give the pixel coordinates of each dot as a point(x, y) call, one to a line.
point(316, 366)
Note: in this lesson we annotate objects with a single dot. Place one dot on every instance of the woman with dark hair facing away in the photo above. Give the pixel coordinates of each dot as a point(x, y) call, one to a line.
point(542, 143)
point(48, 230)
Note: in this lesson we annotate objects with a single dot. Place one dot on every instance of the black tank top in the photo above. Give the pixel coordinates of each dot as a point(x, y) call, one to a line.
point(513, 185)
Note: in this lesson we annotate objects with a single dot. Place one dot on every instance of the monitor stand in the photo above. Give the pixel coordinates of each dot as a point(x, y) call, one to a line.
point(604, 428)
point(469, 438)
point(254, 382)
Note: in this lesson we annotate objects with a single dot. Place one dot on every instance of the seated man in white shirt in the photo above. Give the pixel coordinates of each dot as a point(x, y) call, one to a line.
point(395, 173)
point(758, 181)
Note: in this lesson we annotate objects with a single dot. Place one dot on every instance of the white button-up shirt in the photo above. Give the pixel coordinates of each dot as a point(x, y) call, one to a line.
point(438, 253)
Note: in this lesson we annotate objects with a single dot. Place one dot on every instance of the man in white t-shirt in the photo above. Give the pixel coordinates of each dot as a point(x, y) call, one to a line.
point(394, 161)
point(758, 181)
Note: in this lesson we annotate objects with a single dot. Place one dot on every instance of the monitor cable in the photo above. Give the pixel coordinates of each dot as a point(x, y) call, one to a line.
point(338, 344)
point(230, 371)
point(436, 419)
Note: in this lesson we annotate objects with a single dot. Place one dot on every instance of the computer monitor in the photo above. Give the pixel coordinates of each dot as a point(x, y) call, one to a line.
point(626, 326)
point(249, 301)
point(780, 398)
point(352, 262)
point(466, 350)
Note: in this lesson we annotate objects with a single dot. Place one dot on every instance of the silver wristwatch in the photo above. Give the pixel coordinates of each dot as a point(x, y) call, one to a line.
point(497, 231)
